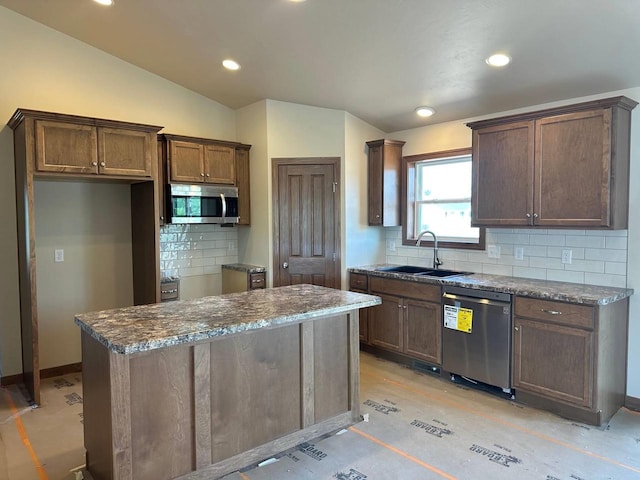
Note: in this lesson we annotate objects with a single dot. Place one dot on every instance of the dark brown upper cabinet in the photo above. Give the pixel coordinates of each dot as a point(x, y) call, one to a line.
point(384, 181)
point(67, 144)
point(560, 167)
point(202, 160)
point(198, 160)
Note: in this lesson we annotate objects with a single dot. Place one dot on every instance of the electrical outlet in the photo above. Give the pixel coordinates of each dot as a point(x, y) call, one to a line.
point(392, 245)
point(493, 251)
point(566, 255)
point(232, 246)
point(58, 255)
point(519, 254)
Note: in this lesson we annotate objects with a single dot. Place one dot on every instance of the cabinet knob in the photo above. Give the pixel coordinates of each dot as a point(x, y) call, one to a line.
point(102, 164)
point(202, 174)
point(535, 215)
point(399, 306)
point(95, 164)
point(517, 329)
point(162, 218)
point(528, 215)
point(377, 216)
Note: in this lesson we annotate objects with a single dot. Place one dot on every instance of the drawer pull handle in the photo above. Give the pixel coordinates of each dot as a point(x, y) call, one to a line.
point(173, 290)
point(551, 312)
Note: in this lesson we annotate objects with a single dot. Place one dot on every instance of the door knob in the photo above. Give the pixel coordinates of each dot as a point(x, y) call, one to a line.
point(285, 265)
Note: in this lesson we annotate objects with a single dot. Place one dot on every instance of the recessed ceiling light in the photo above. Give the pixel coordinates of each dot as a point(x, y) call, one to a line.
point(230, 64)
point(425, 111)
point(498, 60)
point(104, 2)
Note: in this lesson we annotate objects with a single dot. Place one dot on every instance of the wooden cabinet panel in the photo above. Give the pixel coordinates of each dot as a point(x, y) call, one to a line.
point(257, 281)
point(186, 162)
point(404, 288)
point(358, 281)
point(125, 152)
point(502, 181)
point(66, 147)
point(423, 330)
point(243, 184)
point(570, 314)
point(573, 153)
point(219, 164)
point(554, 361)
point(409, 320)
point(386, 324)
point(384, 180)
point(561, 167)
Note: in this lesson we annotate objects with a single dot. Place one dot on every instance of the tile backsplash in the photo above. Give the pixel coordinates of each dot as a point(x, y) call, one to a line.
point(598, 257)
point(190, 250)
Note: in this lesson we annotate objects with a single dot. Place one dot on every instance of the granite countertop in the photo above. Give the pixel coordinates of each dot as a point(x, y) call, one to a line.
point(148, 327)
point(526, 287)
point(244, 267)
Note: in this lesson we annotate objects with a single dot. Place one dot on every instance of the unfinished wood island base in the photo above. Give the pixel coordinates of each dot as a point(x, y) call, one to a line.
point(201, 388)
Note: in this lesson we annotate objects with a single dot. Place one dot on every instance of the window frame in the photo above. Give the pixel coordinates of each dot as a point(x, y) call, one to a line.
point(408, 200)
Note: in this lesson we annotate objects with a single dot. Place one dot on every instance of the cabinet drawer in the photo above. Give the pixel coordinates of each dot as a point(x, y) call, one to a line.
point(405, 288)
point(169, 291)
point(256, 281)
point(358, 281)
point(555, 312)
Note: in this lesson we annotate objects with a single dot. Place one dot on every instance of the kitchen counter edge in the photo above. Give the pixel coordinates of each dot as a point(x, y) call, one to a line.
point(143, 328)
point(525, 287)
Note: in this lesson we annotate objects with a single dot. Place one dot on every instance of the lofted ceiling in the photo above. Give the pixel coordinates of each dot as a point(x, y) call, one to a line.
point(377, 59)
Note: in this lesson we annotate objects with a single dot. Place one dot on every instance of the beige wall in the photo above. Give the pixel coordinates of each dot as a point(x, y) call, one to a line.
point(46, 70)
point(91, 222)
point(252, 241)
point(362, 245)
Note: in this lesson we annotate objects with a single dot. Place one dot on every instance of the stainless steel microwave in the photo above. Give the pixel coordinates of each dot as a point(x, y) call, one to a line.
point(202, 204)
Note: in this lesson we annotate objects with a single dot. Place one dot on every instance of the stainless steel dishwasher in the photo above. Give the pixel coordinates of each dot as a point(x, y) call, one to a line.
point(476, 335)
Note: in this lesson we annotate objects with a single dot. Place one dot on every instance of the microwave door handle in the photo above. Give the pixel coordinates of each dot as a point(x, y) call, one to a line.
point(224, 206)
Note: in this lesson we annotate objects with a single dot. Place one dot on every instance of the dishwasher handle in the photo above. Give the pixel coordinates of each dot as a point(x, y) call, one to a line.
point(483, 301)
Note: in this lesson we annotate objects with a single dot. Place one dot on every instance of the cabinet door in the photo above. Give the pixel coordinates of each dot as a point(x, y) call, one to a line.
point(502, 182)
point(242, 182)
point(186, 162)
point(219, 164)
point(363, 317)
point(423, 330)
point(125, 152)
point(374, 174)
point(385, 324)
point(553, 361)
point(573, 153)
point(66, 147)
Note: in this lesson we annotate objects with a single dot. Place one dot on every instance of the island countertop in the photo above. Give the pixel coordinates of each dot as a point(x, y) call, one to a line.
point(148, 327)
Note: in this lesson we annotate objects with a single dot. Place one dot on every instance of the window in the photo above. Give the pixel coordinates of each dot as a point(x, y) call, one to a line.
point(438, 198)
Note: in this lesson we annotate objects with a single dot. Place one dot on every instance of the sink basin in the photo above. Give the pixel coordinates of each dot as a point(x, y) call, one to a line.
point(441, 273)
point(404, 269)
point(422, 271)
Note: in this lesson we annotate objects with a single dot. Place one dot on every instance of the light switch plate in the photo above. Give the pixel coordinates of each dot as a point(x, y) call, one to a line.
point(493, 251)
point(519, 253)
point(58, 255)
point(566, 255)
point(392, 245)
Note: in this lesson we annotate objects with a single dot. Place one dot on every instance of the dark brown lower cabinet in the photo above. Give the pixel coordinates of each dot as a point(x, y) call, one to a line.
point(409, 321)
point(570, 358)
point(359, 283)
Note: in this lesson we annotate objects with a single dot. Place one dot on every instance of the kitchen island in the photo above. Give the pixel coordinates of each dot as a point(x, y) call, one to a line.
point(201, 388)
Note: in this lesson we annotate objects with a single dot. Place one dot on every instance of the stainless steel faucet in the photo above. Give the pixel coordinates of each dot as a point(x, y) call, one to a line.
point(436, 261)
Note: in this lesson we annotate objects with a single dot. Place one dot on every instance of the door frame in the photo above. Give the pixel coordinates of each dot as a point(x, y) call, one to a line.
point(302, 161)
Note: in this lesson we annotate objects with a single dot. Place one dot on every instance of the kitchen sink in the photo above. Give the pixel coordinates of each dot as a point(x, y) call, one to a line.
point(422, 271)
point(441, 273)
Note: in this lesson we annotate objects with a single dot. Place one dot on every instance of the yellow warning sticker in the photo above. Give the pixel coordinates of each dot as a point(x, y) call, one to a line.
point(458, 318)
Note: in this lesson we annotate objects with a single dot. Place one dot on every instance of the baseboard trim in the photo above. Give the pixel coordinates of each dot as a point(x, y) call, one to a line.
point(632, 403)
point(46, 373)
point(11, 380)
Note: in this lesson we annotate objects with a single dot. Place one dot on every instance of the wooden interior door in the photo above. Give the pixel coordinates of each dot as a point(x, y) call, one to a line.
point(306, 211)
